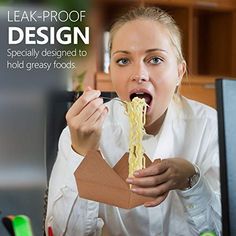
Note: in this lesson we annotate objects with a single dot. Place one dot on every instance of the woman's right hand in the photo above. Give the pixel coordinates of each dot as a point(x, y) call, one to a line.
point(85, 119)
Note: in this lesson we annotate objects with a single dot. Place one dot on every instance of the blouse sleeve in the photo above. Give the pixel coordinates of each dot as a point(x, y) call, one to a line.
point(202, 202)
point(67, 213)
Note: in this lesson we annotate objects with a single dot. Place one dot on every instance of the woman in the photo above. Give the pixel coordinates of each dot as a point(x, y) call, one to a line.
point(146, 61)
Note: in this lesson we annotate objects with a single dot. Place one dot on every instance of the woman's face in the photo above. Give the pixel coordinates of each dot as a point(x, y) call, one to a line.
point(144, 64)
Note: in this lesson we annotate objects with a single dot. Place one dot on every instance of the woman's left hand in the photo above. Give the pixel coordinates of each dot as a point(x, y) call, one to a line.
point(160, 177)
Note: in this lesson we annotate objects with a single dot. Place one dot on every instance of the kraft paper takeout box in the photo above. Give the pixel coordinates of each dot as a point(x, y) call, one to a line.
point(97, 181)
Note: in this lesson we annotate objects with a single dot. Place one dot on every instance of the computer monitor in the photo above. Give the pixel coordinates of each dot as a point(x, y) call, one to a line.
point(226, 106)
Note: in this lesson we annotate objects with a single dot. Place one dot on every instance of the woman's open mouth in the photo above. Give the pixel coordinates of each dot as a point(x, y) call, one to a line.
point(142, 93)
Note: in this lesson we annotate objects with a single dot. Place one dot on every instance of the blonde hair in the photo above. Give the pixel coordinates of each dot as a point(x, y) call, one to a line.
point(155, 14)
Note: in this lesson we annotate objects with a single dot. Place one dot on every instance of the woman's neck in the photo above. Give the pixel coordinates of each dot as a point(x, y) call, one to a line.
point(153, 129)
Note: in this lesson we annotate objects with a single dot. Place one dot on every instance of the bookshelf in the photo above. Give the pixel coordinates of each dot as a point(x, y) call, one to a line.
point(209, 32)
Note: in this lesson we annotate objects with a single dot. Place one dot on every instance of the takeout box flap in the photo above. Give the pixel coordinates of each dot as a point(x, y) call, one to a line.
point(97, 181)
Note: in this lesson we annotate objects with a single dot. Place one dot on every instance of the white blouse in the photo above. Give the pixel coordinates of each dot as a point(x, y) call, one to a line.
point(189, 131)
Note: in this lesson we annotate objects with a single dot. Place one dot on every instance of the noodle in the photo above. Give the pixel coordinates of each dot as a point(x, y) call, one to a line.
point(136, 111)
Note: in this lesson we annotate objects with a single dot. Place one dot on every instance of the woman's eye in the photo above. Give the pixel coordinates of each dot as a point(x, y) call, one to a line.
point(122, 61)
point(155, 60)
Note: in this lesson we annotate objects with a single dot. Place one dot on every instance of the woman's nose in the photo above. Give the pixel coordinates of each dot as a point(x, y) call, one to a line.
point(139, 78)
point(140, 74)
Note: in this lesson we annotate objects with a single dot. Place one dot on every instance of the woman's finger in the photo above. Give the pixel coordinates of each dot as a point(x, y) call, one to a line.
point(156, 168)
point(90, 125)
point(81, 102)
point(95, 116)
point(91, 108)
point(101, 118)
point(96, 120)
point(153, 191)
point(149, 181)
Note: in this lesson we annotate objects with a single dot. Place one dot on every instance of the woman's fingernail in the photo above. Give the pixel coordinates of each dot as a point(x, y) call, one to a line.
point(136, 173)
point(88, 88)
point(129, 180)
point(134, 190)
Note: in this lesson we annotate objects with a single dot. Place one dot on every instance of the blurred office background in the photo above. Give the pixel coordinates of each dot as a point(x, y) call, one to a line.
point(23, 105)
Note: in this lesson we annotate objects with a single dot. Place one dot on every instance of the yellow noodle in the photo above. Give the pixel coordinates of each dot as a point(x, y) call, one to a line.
point(136, 111)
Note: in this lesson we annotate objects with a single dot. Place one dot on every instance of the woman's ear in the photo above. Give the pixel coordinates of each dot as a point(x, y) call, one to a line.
point(181, 72)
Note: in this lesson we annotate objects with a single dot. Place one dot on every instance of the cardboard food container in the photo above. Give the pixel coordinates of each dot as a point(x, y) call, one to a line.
point(97, 181)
